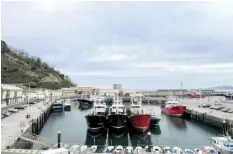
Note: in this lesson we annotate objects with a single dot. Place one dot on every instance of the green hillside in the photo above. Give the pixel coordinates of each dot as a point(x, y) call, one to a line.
point(18, 67)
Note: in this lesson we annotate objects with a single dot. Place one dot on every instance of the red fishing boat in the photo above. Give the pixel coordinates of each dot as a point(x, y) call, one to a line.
point(139, 119)
point(194, 95)
point(173, 108)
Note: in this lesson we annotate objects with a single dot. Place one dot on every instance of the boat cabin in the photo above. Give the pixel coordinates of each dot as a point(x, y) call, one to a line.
point(117, 109)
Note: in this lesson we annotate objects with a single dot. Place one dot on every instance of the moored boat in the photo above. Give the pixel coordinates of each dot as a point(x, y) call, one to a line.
point(224, 144)
point(96, 120)
point(117, 117)
point(173, 108)
point(139, 120)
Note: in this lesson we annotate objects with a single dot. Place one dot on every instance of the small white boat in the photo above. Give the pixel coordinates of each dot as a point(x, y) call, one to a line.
point(118, 149)
point(83, 149)
point(224, 143)
point(198, 151)
point(210, 150)
point(138, 149)
point(93, 148)
point(156, 149)
point(129, 150)
point(178, 150)
point(12, 110)
point(74, 147)
point(167, 150)
point(110, 149)
point(189, 151)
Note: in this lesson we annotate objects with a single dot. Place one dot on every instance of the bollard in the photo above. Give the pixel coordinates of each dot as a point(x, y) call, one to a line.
point(59, 139)
point(149, 143)
point(224, 127)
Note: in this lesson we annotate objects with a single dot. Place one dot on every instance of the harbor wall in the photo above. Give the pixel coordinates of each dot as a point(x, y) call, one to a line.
point(211, 120)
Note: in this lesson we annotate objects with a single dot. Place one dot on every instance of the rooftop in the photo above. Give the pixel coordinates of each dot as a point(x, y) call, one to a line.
point(10, 87)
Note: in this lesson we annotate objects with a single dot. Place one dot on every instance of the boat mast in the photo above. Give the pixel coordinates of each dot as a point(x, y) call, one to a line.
point(181, 95)
point(200, 94)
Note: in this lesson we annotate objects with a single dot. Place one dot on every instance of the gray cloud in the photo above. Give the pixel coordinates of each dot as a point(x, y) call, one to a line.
point(107, 41)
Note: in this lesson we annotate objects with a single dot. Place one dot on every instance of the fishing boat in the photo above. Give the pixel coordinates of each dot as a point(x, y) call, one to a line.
point(139, 119)
point(196, 95)
point(173, 108)
point(96, 119)
point(85, 100)
point(117, 117)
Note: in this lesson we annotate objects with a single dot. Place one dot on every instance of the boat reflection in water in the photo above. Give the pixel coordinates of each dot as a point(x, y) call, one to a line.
point(177, 122)
point(96, 139)
point(85, 107)
point(118, 139)
point(140, 139)
point(155, 130)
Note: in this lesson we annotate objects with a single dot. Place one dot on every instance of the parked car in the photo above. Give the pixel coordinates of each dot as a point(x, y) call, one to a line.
point(225, 109)
point(6, 114)
point(12, 110)
point(230, 111)
point(220, 107)
point(204, 105)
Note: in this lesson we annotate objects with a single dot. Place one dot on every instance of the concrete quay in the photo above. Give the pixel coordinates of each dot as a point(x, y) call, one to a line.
point(209, 116)
point(17, 104)
point(15, 125)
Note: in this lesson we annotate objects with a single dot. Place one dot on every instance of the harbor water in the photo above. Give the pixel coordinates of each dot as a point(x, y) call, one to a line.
point(171, 131)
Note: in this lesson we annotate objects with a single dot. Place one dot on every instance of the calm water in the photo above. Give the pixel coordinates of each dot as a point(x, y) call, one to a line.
point(171, 131)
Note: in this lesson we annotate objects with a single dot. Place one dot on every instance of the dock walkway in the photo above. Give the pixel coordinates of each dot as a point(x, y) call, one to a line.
point(17, 123)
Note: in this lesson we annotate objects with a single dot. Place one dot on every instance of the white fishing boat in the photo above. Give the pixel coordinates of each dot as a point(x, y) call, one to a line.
point(167, 150)
point(118, 149)
point(156, 149)
point(129, 150)
point(178, 150)
point(224, 143)
point(210, 150)
point(189, 151)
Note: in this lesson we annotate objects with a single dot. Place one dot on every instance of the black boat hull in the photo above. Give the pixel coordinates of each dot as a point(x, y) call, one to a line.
point(96, 123)
point(117, 123)
point(154, 121)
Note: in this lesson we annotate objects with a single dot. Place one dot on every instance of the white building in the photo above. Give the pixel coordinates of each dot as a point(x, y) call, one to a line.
point(10, 94)
point(117, 86)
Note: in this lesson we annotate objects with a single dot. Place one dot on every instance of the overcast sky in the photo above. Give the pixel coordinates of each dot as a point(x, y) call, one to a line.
point(144, 45)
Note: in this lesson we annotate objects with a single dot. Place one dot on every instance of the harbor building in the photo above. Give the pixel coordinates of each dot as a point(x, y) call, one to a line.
point(117, 86)
point(10, 94)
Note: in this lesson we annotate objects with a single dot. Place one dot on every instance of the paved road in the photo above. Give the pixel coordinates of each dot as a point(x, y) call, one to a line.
point(11, 126)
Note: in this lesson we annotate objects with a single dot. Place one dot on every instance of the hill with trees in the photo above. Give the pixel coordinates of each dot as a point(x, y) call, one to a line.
point(18, 67)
